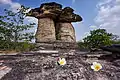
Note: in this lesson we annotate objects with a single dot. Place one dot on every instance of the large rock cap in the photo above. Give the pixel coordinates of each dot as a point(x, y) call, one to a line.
point(51, 5)
point(46, 10)
point(67, 15)
point(54, 11)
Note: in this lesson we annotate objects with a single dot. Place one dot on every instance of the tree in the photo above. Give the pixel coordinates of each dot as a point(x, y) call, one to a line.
point(5, 33)
point(12, 25)
point(98, 38)
point(13, 30)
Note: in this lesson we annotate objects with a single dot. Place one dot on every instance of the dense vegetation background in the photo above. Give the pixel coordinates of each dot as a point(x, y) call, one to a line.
point(97, 39)
point(14, 33)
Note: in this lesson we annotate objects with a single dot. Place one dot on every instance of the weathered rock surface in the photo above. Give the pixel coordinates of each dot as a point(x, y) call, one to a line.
point(57, 45)
point(45, 15)
point(52, 9)
point(115, 48)
point(46, 10)
point(46, 30)
point(65, 32)
point(67, 15)
point(43, 67)
point(51, 16)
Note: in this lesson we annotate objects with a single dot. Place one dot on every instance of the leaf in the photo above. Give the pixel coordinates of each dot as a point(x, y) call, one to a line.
point(98, 38)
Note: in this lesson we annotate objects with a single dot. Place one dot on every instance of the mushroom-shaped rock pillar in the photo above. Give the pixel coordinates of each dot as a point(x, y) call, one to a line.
point(45, 14)
point(54, 23)
point(64, 30)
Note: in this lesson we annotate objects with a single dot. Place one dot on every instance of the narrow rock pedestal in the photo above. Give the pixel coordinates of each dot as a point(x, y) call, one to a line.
point(65, 32)
point(45, 31)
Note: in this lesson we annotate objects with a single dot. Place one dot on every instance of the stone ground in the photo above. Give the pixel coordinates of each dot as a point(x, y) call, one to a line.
point(42, 66)
point(4, 70)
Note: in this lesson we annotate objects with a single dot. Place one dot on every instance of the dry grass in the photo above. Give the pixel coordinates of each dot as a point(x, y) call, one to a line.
point(8, 52)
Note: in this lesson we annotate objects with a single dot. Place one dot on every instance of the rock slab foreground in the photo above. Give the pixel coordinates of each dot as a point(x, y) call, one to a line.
point(44, 67)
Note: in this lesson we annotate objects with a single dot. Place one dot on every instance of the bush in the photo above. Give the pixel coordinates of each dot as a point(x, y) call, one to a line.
point(17, 46)
point(98, 38)
point(116, 42)
point(82, 46)
point(24, 46)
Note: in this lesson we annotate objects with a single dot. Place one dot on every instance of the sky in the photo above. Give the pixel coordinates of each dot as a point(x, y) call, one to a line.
point(104, 14)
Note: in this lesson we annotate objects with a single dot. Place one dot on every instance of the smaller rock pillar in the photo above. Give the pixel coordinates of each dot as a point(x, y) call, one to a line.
point(65, 31)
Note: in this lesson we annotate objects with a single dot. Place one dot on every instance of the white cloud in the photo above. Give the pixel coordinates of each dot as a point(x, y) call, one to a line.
point(108, 16)
point(31, 20)
point(103, 2)
point(13, 5)
point(86, 34)
point(5, 1)
point(118, 1)
point(93, 27)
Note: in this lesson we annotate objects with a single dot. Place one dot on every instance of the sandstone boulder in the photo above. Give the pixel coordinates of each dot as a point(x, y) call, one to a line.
point(67, 15)
point(44, 67)
point(46, 30)
point(65, 32)
point(46, 10)
point(54, 23)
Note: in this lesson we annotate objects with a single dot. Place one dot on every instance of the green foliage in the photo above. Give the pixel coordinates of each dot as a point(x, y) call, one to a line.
point(81, 44)
point(19, 46)
point(5, 45)
point(116, 42)
point(98, 38)
point(12, 26)
point(13, 30)
point(24, 46)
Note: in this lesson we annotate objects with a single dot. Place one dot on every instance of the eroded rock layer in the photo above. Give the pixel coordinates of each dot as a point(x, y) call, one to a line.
point(55, 22)
point(46, 30)
point(65, 32)
point(67, 15)
point(43, 66)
